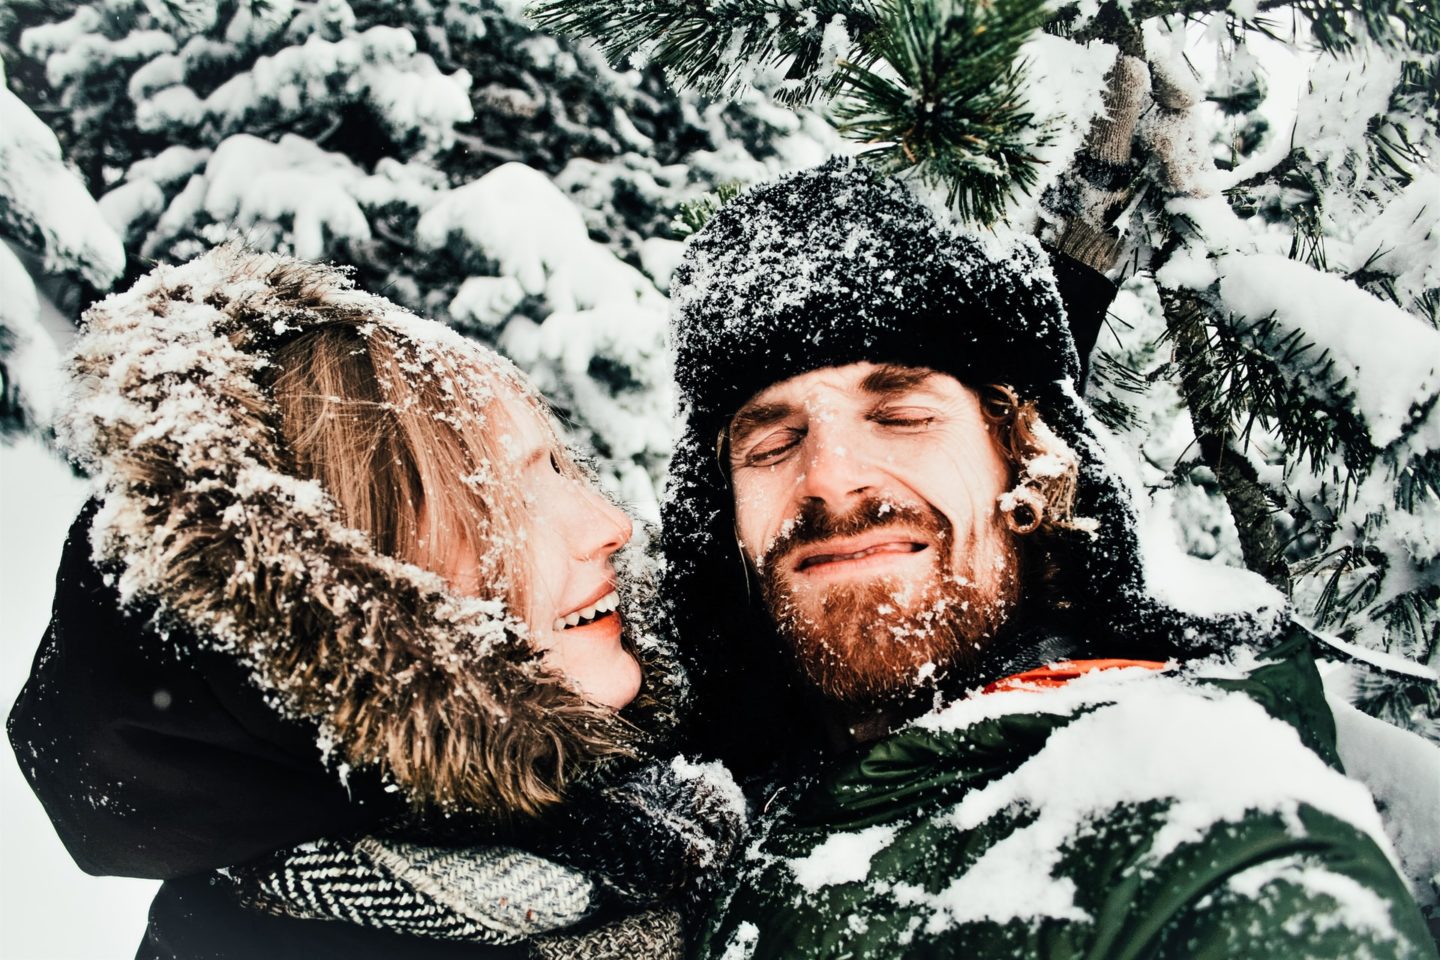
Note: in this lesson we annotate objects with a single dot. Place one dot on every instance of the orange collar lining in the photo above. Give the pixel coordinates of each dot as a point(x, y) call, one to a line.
point(1061, 673)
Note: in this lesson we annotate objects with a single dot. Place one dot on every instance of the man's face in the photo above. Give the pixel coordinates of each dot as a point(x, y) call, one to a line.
point(866, 496)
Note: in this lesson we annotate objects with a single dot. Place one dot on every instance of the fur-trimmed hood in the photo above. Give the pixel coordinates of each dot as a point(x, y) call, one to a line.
point(204, 519)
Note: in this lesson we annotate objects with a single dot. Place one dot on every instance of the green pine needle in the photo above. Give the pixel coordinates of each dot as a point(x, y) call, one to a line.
point(933, 85)
point(692, 216)
point(1111, 380)
point(948, 104)
point(714, 46)
point(1338, 25)
point(1251, 374)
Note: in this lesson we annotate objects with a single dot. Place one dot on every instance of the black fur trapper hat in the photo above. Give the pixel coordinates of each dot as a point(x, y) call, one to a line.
point(833, 266)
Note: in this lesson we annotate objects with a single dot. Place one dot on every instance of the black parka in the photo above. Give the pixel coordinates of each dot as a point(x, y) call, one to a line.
point(170, 765)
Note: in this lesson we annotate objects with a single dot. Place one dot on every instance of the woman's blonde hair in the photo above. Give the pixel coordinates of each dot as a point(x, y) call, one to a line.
point(410, 440)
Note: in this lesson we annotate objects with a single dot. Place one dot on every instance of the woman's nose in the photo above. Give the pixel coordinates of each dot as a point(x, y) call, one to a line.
point(606, 529)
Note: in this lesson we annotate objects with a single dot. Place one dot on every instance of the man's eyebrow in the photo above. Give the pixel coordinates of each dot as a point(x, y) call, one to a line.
point(756, 415)
point(893, 378)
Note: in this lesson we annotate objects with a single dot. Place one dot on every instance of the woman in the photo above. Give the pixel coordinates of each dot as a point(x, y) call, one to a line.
point(342, 580)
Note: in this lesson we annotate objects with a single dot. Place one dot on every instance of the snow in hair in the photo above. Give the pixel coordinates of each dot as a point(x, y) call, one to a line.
point(206, 518)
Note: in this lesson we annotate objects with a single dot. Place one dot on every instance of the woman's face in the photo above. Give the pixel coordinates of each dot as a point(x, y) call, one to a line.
point(571, 533)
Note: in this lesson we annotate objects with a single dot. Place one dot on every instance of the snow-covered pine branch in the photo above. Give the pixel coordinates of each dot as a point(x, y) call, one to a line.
point(48, 215)
point(334, 129)
point(44, 206)
point(934, 86)
point(1308, 258)
point(601, 347)
point(720, 47)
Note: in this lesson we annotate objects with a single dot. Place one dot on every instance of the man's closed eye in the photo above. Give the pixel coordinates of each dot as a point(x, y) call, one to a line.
point(904, 418)
point(773, 447)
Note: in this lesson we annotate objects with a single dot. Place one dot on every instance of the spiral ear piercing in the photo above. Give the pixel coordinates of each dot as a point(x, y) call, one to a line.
point(1023, 509)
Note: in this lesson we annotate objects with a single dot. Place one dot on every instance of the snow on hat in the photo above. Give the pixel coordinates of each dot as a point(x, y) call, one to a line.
point(832, 266)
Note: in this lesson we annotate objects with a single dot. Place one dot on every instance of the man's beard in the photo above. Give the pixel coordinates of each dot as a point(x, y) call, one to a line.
point(883, 639)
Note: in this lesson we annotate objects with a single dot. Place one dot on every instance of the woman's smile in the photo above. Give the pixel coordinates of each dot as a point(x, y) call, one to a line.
point(590, 613)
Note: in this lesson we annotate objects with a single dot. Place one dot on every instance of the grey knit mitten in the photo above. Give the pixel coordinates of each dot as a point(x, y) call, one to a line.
point(1081, 206)
point(663, 833)
point(654, 934)
point(1169, 133)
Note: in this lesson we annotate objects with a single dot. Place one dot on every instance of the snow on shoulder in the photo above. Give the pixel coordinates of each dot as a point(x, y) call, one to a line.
point(841, 858)
point(1203, 587)
point(1212, 756)
point(1402, 770)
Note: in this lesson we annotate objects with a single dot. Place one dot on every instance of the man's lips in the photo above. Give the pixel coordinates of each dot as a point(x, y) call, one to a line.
point(832, 554)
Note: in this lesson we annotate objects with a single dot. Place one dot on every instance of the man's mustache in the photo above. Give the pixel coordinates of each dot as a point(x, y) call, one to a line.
point(815, 523)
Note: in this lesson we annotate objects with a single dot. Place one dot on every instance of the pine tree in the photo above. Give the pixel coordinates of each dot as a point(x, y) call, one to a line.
point(1277, 432)
point(357, 131)
point(1274, 357)
point(49, 224)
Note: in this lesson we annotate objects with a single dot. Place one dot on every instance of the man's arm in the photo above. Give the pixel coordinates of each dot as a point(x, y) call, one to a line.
point(1329, 893)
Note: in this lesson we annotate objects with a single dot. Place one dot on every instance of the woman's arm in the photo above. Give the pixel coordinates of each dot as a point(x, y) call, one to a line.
point(155, 755)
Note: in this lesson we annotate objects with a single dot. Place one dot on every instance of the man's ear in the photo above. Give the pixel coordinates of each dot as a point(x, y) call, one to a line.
point(747, 566)
point(722, 457)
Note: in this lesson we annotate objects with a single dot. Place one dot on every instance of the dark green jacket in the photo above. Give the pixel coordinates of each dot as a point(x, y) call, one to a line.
point(1128, 813)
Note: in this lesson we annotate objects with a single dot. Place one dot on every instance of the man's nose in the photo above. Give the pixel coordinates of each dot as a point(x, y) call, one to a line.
point(836, 471)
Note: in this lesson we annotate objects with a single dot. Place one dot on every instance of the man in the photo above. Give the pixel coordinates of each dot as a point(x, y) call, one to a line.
point(983, 736)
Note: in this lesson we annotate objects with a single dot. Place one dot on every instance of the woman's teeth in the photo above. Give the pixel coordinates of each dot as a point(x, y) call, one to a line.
point(586, 615)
